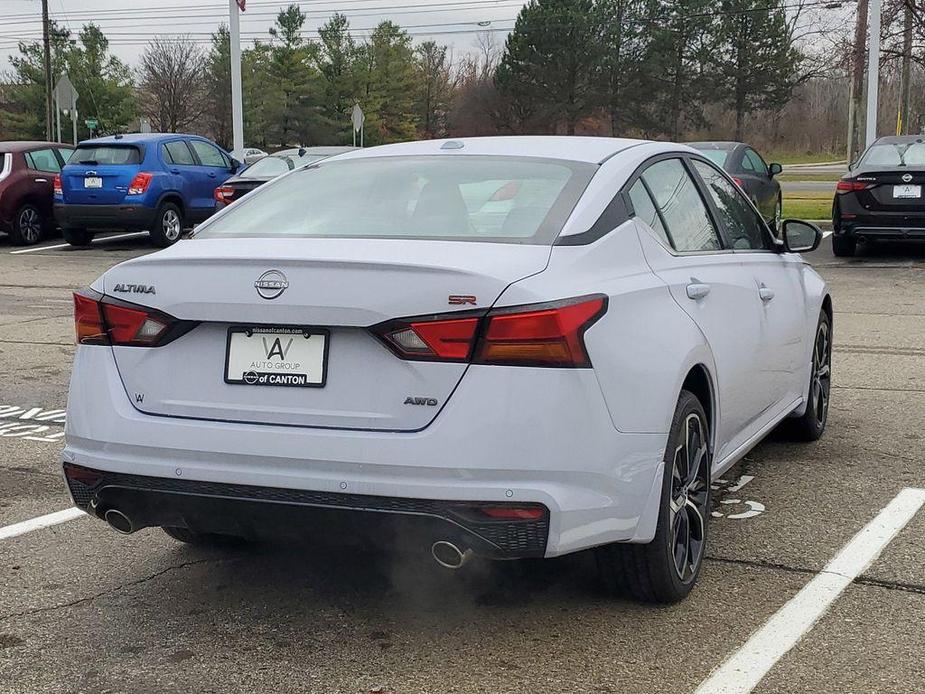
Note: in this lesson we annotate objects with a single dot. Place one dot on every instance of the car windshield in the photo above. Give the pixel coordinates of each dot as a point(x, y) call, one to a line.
point(465, 198)
point(277, 164)
point(895, 154)
point(105, 154)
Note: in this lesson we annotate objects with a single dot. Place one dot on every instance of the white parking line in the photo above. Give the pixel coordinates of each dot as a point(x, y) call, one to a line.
point(65, 245)
point(745, 668)
point(826, 234)
point(28, 526)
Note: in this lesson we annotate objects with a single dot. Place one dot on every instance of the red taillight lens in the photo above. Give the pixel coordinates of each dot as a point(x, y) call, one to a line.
point(100, 321)
point(448, 339)
point(849, 186)
point(738, 182)
point(140, 183)
point(536, 335)
point(57, 185)
point(224, 194)
point(552, 335)
point(88, 321)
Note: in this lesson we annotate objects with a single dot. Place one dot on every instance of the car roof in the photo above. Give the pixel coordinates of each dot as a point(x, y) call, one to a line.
point(137, 138)
point(25, 145)
point(326, 150)
point(727, 145)
point(593, 150)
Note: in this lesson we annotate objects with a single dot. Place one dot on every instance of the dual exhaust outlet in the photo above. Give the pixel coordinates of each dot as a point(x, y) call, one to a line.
point(444, 552)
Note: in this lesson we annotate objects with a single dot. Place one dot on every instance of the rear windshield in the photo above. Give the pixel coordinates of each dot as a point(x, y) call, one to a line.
point(717, 156)
point(277, 164)
point(895, 154)
point(105, 154)
point(456, 197)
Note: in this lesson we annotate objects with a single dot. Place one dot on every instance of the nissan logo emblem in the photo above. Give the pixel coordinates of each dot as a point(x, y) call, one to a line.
point(271, 284)
point(907, 178)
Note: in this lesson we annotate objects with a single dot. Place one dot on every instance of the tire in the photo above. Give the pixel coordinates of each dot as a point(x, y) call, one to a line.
point(77, 237)
point(655, 572)
point(811, 425)
point(191, 537)
point(844, 246)
point(28, 226)
point(168, 225)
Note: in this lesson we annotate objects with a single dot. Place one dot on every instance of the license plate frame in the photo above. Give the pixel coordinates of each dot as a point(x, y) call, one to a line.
point(907, 192)
point(274, 378)
point(93, 182)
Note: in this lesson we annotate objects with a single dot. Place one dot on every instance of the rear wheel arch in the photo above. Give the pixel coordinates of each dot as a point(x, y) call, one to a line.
point(699, 382)
point(175, 198)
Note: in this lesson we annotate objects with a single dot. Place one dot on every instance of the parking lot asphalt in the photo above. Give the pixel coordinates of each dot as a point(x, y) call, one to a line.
point(83, 609)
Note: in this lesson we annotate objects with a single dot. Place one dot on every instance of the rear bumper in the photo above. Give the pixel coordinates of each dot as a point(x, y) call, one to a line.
point(120, 216)
point(530, 446)
point(259, 511)
point(883, 232)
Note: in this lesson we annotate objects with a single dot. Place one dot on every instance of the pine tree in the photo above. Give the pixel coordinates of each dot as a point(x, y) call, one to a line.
point(433, 88)
point(388, 85)
point(757, 61)
point(338, 65)
point(218, 87)
point(551, 66)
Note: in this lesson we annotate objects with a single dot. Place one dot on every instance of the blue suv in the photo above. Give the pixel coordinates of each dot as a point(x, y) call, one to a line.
point(161, 183)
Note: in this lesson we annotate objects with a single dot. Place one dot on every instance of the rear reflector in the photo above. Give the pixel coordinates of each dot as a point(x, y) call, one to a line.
point(83, 475)
point(513, 512)
point(100, 320)
point(848, 186)
point(535, 335)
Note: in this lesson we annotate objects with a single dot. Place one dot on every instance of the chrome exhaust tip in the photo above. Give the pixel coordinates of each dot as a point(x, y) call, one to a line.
point(118, 521)
point(448, 555)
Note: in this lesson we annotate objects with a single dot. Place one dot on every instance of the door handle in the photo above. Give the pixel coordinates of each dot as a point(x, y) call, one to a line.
point(175, 171)
point(697, 290)
point(766, 293)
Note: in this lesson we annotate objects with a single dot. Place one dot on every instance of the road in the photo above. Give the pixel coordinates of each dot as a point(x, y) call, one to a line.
point(84, 609)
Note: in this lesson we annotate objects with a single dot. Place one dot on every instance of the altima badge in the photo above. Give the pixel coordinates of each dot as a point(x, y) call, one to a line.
point(271, 284)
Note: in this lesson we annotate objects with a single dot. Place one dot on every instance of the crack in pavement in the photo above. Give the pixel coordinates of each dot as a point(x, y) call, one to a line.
point(887, 390)
point(113, 590)
point(862, 580)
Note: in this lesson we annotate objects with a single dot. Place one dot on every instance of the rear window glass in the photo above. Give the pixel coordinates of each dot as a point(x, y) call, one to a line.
point(895, 154)
point(268, 166)
point(459, 197)
point(717, 156)
point(105, 154)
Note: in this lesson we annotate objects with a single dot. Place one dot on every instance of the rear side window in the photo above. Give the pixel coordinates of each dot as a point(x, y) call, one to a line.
point(178, 153)
point(645, 210)
point(686, 218)
point(757, 163)
point(209, 155)
point(43, 160)
point(743, 227)
point(105, 154)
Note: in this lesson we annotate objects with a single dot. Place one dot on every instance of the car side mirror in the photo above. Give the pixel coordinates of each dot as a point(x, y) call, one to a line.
point(799, 236)
point(235, 165)
point(774, 169)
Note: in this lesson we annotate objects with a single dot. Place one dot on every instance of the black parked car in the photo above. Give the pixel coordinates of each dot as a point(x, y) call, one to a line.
point(751, 172)
point(881, 195)
point(269, 167)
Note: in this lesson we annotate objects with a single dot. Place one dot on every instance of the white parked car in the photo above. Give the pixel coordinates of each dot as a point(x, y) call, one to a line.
point(362, 338)
point(248, 155)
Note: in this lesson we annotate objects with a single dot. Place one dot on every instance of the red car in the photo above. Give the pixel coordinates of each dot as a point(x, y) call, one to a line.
point(27, 172)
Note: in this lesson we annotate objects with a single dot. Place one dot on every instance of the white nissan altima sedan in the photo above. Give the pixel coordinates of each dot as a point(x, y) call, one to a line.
point(504, 347)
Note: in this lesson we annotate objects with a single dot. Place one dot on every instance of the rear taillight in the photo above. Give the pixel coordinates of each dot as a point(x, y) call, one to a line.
point(849, 186)
point(140, 183)
point(224, 194)
point(100, 320)
point(535, 335)
point(57, 185)
point(739, 182)
point(547, 335)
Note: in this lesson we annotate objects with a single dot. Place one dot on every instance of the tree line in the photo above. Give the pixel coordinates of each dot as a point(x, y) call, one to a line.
point(650, 68)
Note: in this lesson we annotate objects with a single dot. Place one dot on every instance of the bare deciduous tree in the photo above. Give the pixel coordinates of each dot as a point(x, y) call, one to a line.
point(171, 79)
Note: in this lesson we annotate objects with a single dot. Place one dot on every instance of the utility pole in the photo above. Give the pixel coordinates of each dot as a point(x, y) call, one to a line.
point(906, 80)
point(873, 73)
point(237, 106)
point(46, 40)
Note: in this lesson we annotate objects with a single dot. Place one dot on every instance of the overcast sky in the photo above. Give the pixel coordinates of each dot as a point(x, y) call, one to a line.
point(129, 23)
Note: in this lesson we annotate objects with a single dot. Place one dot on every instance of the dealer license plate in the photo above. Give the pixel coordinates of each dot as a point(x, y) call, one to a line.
point(907, 191)
point(293, 357)
point(93, 182)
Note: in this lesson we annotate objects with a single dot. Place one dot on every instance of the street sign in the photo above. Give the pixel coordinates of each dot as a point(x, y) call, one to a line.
point(357, 117)
point(65, 94)
point(92, 123)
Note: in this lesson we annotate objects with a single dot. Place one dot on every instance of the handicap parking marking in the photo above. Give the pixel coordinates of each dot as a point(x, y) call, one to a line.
point(753, 508)
point(27, 526)
point(31, 423)
point(101, 239)
point(744, 669)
